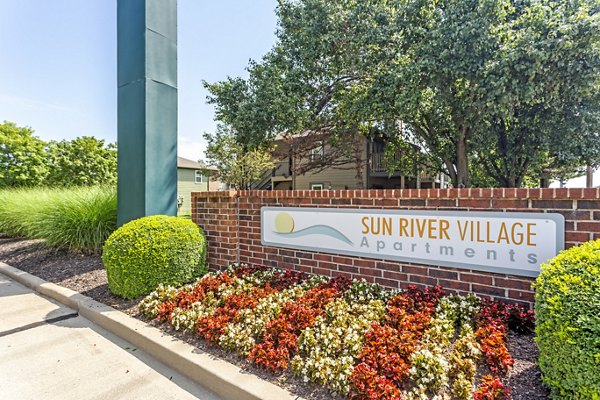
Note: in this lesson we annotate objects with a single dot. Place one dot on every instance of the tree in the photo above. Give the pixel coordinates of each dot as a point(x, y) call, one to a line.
point(236, 166)
point(81, 162)
point(321, 79)
point(502, 82)
point(542, 101)
point(22, 157)
point(427, 75)
point(293, 94)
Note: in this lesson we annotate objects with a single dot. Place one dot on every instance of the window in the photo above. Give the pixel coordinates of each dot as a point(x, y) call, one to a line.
point(316, 186)
point(317, 153)
point(198, 178)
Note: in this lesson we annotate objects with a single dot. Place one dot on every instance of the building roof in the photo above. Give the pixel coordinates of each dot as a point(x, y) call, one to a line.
point(191, 164)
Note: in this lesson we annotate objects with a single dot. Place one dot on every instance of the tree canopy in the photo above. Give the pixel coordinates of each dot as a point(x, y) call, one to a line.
point(236, 166)
point(22, 157)
point(83, 161)
point(500, 89)
point(26, 160)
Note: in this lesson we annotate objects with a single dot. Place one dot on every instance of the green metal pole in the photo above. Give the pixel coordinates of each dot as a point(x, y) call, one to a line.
point(147, 108)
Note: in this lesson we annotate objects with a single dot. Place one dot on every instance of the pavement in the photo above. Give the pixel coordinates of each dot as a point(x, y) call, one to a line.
point(56, 343)
point(48, 351)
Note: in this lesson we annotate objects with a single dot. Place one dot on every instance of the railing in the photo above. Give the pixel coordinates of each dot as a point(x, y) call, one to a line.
point(379, 163)
point(264, 182)
point(281, 169)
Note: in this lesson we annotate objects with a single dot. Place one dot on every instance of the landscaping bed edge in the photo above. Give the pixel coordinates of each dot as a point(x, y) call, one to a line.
point(219, 376)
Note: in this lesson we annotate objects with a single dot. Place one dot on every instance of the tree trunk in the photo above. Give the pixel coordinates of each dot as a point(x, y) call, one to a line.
point(358, 160)
point(293, 155)
point(512, 181)
point(451, 171)
point(544, 180)
point(462, 160)
point(589, 176)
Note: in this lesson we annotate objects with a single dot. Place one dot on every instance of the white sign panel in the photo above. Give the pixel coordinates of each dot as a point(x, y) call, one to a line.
point(510, 243)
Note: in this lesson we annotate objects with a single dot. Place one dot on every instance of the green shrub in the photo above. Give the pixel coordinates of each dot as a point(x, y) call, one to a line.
point(567, 307)
point(149, 251)
point(77, 219)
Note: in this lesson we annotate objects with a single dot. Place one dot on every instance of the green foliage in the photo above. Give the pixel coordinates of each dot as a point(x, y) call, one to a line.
point(82, 220)
point(22, 157)
point(295, 91)
point(541, 104)
point(567, 308)
point(503, 88)
point(84, 161)
point(154, 250)
point(21, 210)
point(506, 81)
point(27, 161)
point(237, 166)
point(78, 219)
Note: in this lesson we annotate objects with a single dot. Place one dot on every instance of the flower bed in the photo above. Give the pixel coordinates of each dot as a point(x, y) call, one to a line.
point(355, 338)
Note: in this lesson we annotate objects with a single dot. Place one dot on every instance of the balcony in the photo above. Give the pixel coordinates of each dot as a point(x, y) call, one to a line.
point(379, 169)
point(379, 164)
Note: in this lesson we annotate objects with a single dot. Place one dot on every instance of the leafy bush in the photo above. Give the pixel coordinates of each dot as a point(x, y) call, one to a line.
point(77, 219)
point(149, 251)
point(567, 307)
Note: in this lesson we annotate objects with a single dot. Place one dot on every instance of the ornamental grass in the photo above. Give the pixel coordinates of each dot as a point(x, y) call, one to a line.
point(355, 338)
point(77, 219)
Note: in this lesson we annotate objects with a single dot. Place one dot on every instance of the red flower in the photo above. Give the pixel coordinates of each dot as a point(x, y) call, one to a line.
point(212, 327)
point(491, 389)
point(184, 299)
point(280, 340)
point(385, 359)
point(372, 386)
point(491, 334)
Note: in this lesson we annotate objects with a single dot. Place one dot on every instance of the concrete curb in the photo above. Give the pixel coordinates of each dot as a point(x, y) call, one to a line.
point(221, 377)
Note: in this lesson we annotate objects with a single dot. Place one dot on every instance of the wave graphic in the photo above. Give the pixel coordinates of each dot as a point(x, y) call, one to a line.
point(317, 230)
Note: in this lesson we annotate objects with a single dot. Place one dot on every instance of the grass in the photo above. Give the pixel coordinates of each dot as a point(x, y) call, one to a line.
point(76, 219)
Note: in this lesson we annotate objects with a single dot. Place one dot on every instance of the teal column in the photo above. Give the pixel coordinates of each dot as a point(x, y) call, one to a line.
point(147, 108)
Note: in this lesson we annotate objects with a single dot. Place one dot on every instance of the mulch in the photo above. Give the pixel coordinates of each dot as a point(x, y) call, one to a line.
point(85, 274)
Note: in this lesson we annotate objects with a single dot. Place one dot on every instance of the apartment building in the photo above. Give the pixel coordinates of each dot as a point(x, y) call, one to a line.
point(369, 169)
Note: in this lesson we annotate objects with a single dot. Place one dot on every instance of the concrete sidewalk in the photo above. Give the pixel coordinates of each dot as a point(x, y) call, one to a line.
point(48, 351)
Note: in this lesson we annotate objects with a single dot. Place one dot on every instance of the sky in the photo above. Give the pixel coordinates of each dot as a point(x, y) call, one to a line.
point(58, 73)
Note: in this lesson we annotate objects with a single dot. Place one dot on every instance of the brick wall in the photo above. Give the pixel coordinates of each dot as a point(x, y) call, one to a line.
point(217, 214)
point(231, 221)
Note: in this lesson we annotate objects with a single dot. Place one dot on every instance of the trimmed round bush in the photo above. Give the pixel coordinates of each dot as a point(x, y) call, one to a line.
point(567, 308)
point(149, 251)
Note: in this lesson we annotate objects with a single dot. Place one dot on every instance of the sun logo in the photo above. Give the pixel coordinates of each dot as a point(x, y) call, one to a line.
point(284, 223)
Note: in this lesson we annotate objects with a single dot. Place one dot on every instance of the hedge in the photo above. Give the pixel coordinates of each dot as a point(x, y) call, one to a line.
point(567, 307)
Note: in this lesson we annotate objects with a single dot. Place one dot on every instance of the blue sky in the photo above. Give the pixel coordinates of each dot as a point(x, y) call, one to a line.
point(59, 69)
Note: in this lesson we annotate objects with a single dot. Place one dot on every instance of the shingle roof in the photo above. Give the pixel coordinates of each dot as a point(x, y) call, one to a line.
point(191, 164)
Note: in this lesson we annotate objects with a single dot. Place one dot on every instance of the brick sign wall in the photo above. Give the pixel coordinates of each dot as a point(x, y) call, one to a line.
point(231, 221)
